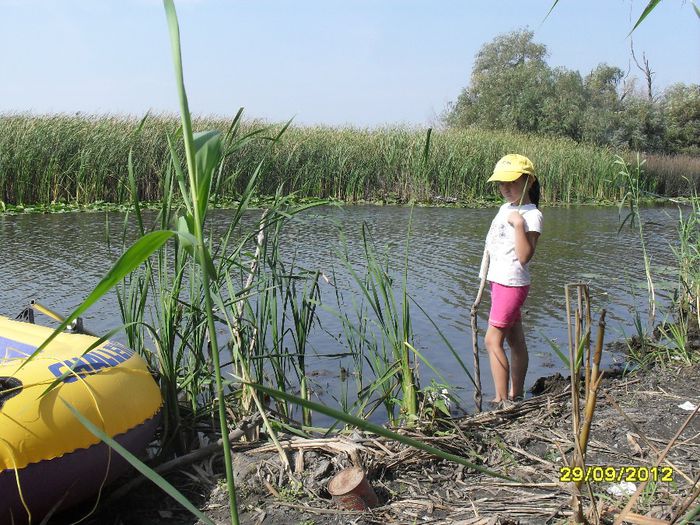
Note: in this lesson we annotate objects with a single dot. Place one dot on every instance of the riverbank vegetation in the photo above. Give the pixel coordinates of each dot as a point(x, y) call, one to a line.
point(59, 160)
point(225, 321)
point(263, 310)
point(513, 88)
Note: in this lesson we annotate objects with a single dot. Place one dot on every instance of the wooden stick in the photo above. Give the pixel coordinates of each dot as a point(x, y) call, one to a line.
point(638, 519)
point(572, 364)
point(485, 259)
point(587, 335)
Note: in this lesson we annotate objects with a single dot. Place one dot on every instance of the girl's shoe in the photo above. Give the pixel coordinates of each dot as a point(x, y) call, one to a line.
point(503, 404)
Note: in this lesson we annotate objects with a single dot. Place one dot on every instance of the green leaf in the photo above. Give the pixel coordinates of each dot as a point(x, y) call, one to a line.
point(551, 9)
point(132, 178)
point(209, 264)
point(449, 345)
point(174, 30)
point(427, 363)
point(208, 154)
point(180, 175)
point(187, 239)
point(139, 465)
point(649, 8)
point(426, 148)
point(554, 346)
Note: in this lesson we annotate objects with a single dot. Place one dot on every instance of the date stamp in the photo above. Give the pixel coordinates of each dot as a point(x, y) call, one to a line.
point(603, 474)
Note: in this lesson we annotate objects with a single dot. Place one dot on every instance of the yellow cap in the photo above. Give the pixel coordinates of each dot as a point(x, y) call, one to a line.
point(511, 167)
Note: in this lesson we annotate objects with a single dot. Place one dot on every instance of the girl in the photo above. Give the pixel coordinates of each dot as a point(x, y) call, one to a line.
point(510, 243)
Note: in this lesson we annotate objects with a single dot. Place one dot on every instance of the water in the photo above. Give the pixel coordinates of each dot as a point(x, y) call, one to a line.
point(58, 259)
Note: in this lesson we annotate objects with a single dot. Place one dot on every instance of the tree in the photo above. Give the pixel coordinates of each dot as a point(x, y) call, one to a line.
point(563, 111)
point(603, 105)
point(681, 106)
point(641, 125)
point(512, 88)
point(509, 85)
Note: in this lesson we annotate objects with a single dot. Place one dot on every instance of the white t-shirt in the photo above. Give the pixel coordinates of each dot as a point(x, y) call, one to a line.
point(504, 266)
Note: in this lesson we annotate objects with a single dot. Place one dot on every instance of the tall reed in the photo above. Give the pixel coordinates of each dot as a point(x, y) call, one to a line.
point(80, 159)
point(688, 255)
point(631, 181)
point(203, 153)
point(384, 333)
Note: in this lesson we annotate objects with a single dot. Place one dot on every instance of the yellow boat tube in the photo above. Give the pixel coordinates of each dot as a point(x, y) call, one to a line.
point(48, 459)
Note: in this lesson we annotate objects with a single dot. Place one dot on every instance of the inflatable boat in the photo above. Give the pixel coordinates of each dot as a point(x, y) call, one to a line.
point(48, 459)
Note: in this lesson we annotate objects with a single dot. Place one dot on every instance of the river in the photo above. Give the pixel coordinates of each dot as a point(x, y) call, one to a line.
point(57, 259)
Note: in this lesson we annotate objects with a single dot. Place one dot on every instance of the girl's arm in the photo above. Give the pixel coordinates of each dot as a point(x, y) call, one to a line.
point(525, 242)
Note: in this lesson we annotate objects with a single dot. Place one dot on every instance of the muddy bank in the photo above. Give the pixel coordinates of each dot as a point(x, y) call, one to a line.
point(637, 416)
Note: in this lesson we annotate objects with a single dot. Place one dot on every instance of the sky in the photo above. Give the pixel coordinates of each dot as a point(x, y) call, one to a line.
point(361, 63)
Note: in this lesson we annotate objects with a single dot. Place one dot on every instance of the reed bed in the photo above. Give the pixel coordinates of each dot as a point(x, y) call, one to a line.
point(675, 175)
point(80, 159)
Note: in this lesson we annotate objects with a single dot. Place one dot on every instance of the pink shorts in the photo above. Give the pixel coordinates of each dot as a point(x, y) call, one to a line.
point(505, 304)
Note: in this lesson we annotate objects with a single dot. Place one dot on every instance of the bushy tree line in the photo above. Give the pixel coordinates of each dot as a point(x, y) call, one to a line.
point(513, 88)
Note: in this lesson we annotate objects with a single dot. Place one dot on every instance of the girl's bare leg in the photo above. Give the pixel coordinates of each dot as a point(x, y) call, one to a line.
point(519, 359)
point(494, 340)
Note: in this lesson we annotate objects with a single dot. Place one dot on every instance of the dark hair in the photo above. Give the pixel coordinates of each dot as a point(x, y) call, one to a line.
point(534, 193)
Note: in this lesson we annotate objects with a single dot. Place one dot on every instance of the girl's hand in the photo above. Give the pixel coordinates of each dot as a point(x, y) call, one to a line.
point(525, 242)
point(515, 219)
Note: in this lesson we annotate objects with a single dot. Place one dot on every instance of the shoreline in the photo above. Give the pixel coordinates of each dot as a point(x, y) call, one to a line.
point(638, 416)
point(265, 201)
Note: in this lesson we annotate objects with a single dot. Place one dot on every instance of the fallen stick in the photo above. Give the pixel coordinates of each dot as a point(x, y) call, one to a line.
point(336, 445)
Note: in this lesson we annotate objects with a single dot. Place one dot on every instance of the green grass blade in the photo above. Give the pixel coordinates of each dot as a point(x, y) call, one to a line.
point(550, 10)
point(649, 8)
point(451, 348)
point(555, 347)
point(132, 178)
point(427, 363)
point(426, 148)
point(206, 158)
point(174, 30)
point(693, 513)
point(180, 175)
point(208, 152)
